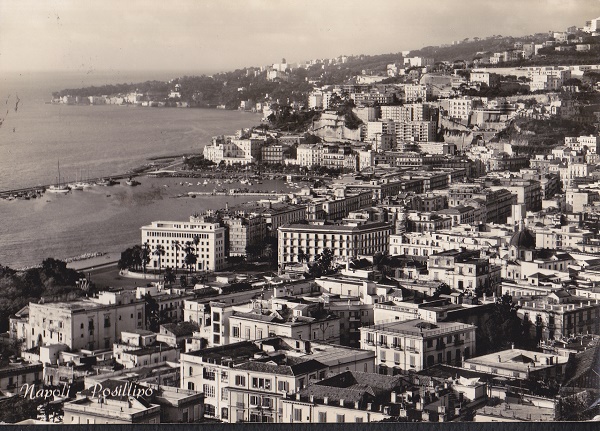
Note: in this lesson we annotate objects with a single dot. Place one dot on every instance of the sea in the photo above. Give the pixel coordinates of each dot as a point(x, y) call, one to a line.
point(36, 138)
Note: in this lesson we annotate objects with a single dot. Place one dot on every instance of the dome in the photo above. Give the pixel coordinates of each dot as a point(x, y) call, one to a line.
point(522, 239)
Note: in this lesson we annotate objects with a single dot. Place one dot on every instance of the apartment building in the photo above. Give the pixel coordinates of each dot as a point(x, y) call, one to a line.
point(349, 397)
point(567, 237)
point(559, 314)
point(272, 154)
point(498, 203)
point(414, 345)
point(244, 231)
point(346, 240)
point(309, 155)
point(460, 108)
point(417, 93)
point(463, 270)
point(406, 113)
point(173, 236)
point(87, 323)
point(246, 381)
point(231, 150)
point(419, 131)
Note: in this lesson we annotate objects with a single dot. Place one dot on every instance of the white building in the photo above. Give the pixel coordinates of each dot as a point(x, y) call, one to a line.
point(414, 345)
point(173, 236)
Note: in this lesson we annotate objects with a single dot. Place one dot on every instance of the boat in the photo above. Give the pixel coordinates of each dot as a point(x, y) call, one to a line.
point(58, 187)
point(106, 182)
point(131, 182)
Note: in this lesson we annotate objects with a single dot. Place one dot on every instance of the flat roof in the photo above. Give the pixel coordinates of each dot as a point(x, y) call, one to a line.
point(419, 327)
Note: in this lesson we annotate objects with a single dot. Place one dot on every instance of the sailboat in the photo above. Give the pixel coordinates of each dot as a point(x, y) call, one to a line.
point(58, 187)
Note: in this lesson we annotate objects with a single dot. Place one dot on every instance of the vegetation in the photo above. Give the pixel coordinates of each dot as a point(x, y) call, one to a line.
point(503, 327)
point(52, 280)
point(18, 408)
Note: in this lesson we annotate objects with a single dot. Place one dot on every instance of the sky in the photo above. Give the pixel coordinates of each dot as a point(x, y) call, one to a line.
point(220, 35)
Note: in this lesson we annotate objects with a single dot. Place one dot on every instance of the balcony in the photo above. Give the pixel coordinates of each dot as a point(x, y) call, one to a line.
point(459, 342)
point(440, 346)
point(397, 347)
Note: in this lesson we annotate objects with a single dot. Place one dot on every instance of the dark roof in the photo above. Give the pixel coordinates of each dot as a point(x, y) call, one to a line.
point(352, 386)
point(271, 367)
point(582, 365)
point(181, 329)
point(522, 239)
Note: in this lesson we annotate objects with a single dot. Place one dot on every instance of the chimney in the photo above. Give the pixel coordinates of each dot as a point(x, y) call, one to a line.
point(325, 400)
point(356, 405)
point(297, 396)
point(369, 406)
point(341, 403)
point(393, 397)
point(312, 398)
point(499, 359)
point(512, 346)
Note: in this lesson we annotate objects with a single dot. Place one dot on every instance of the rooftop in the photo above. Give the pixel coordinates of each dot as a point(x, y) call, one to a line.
point(419, 328)
point(517, 360)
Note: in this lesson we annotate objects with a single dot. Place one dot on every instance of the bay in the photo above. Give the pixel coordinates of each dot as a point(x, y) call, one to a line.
point(92, 141)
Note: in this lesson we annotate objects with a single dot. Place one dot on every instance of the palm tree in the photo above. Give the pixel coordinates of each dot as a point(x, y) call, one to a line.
point(145, 255)
point(177, 246)
point(196, 242)
point(159, 251)
point(190, 256)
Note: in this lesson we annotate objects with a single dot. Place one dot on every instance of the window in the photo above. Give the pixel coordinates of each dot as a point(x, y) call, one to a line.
point(340, 418)
point(235, 332)
point(382, 355)
point(191, 386)
point(283, 386)
point(209, 390)
point(224, 413)
point(240, 380)
point(359, 420)
point(322, 417)
point(191, 371)
point(412, 360)
point(298, 415)
point(260, 383)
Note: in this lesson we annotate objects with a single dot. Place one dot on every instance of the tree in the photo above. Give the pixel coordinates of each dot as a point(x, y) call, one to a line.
point(169, 275)
point(159, 251)
point(152, 313)
point(190, 257)
point(145, 255)
point(302, 256)
point(177, 246)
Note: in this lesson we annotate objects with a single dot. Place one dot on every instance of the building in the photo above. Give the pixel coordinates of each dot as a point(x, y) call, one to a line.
point(349, 397)
point(272, 154)
point(175, 236)
point(15, 375)
point(123, 410)
point(244, 231)
point(414, 345)
point(559, 314)
point(346, 240)
point(247, 381)
point(419, 131)
point(417, 93)
point(88, 323)
point(463, 270)
point(518, 364)
point(406, 113)
point(460, 108)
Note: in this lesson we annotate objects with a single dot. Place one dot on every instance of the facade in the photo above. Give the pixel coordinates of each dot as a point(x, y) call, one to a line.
point(417, 93)
point(247, 381)
point(463, 270)
point(90, 323)
point(173, 236)
point(419, 131)
point(414, 345)
point(346, 241)
point(460, 108)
